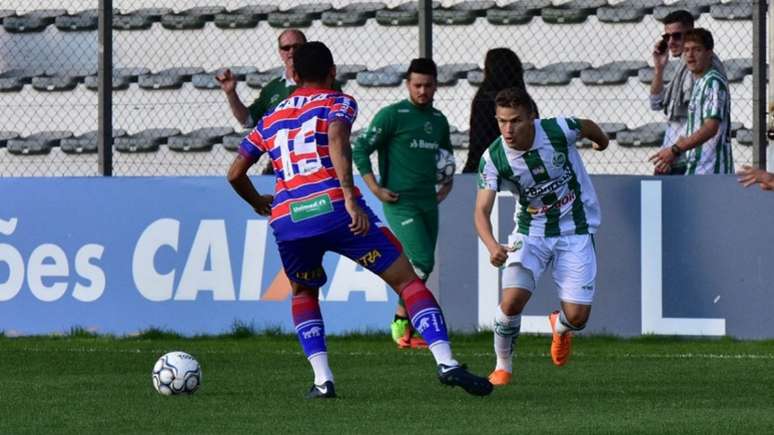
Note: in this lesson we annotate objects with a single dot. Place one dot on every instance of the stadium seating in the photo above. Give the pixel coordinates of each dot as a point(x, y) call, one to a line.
point(85, 143)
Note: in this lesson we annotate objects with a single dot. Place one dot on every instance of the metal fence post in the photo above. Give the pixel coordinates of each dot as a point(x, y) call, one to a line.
point(760, 140)
point(105, 80)
point(425, 8)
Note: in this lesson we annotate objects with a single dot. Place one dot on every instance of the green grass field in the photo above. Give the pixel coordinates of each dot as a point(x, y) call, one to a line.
point(83, 384)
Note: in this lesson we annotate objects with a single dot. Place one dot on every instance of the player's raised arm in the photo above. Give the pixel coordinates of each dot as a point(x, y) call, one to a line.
point(590, 130)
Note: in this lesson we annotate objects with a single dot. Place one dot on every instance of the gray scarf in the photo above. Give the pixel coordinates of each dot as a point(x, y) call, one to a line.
point(678, 93)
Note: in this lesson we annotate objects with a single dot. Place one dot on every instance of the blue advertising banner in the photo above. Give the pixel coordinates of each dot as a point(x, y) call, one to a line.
point(120, 255)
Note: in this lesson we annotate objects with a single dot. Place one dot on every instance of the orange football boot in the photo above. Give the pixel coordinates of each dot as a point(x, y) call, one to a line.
point(498, 378)
point(560, 344)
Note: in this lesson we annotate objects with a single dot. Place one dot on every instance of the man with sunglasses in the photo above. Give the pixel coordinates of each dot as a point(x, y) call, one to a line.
point(673, 99)
point(273, 92)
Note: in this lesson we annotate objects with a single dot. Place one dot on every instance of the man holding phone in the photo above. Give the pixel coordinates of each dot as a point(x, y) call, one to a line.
point(673, 99)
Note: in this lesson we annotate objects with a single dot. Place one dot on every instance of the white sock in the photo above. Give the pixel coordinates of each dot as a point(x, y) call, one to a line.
point(506, 331)
point(561, 324)
point(322, 371)
point(443, 354)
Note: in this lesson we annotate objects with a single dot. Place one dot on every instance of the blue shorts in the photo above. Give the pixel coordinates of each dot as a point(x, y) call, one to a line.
point(302, 258)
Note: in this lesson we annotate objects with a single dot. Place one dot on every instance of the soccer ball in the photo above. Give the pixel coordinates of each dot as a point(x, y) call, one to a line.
point(176, 373)
point(445, 165)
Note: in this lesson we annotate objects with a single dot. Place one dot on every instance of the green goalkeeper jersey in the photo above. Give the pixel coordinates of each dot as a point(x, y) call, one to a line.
point(406, 138)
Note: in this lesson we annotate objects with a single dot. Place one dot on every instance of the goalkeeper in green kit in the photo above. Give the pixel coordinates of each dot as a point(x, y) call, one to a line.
point(407, 136)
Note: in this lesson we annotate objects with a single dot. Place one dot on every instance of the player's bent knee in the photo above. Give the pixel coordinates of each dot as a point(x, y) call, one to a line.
point(517, 276)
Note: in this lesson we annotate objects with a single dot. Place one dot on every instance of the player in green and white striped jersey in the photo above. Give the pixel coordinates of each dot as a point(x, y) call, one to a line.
point(707, 142)
point(558, 212)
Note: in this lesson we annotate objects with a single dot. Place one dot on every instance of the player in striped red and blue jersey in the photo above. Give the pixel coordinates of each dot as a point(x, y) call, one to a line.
point(317, 208)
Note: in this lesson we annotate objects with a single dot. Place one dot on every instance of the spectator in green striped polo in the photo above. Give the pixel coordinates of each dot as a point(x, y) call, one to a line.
point(276, 90)
point(406, 137)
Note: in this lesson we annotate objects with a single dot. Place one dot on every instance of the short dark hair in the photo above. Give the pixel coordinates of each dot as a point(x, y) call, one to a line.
point(515, 97)
point(286, 31)
point(312, 61)
point(679, 16)
point(700, 36)
point(424, 66)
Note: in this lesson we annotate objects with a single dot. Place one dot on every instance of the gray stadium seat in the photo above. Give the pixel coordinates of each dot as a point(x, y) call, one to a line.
point(119, 82)
point(54, 83)
point(379, 78)
point(737, 10)
point(735, 127)
point(479, 7)
point(645, 75)
point(236, 21)
point(186, 72)
point(5, 136)
point(24, 74)
point(612, 73)
point(394, 17)
point(182, 22)
point(412, 6)
point(231, 141)
point(314, 9)
point(459, 139)
point(261, 11)
point(611, 129)
point(145, 141)
point(11, 84)
point(746, 64)
point(348, 71)
point(460, 70)
point(78, 73)
point(205, 81)
point(453, 17)
point(154, 14)
point(48, 15)
point(573, 68)
point(368, 8)
point(661, 12)
point(206, 12)
point(24, 24)
point(446, 78)
point(199, 140)
point(621, 14)
point(744, 136)
point(95, 12)
point(556, 15)
point(258, 80)
point(76, 23)
point(603, 76)
point(38, 143)
point(547, 77)
point(735, 73)
point(132, 22)
point(476, 77)
point(648, 5)
point(160, 81)
point(344, 19)
point(85, 143)
point(503, 17)
point(589, 6)
point(533, 7)
point(131, 73)
point(648, 135)
point(286, 19)
point(703, 5)
point(5, 13)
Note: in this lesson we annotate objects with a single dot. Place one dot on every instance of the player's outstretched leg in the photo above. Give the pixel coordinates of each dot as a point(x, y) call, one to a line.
point(427, 319)
point(311, 334)
point(506, 332)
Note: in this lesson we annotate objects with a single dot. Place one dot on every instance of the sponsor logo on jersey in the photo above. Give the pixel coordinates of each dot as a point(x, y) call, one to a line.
point(369, 258)
point(423, 144)
point(428, 127)
point(313, 207)
point(559, 160)
point(566, 199)
point(549, 186)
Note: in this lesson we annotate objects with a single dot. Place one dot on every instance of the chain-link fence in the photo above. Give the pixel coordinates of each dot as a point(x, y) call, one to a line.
point(170, 116)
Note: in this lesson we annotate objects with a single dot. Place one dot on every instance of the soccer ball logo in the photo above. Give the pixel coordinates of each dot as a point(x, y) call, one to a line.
point(445, 166)
point(176, 373)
